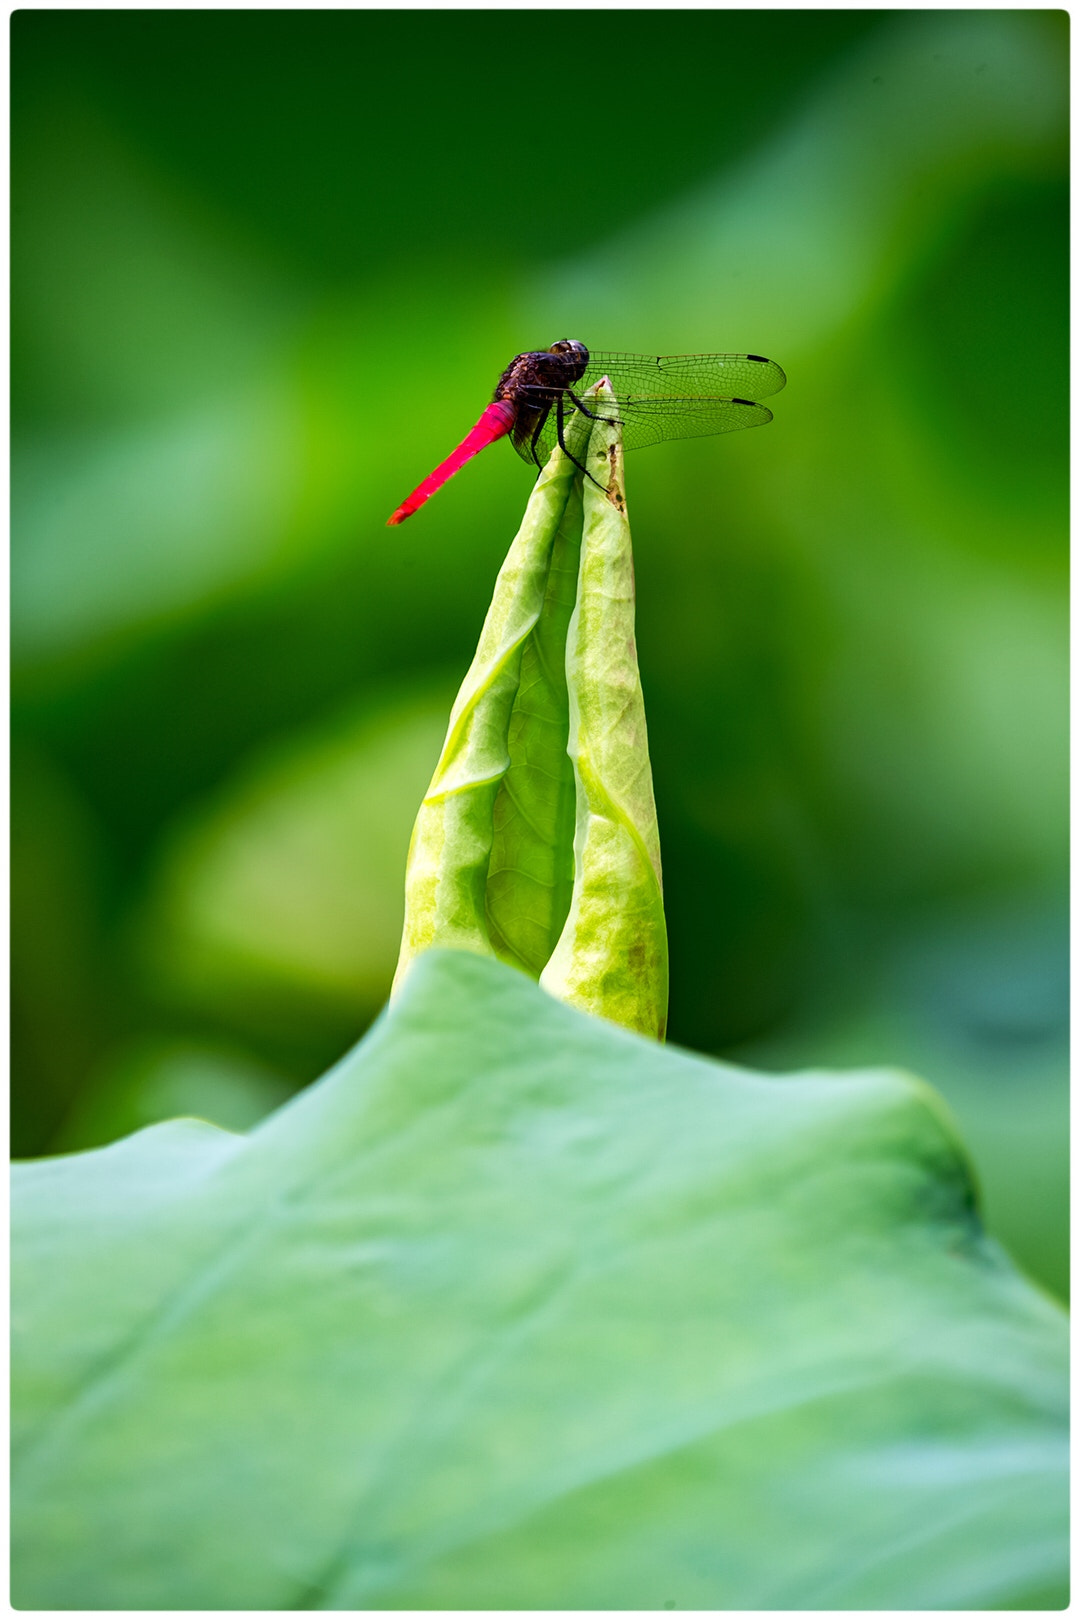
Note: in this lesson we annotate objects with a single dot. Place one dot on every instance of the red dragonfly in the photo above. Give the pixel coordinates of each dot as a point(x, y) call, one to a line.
point(657, 397)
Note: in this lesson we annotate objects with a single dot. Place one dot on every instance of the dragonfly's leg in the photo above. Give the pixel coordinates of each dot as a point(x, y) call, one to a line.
point(583, 408)
point(562, 441)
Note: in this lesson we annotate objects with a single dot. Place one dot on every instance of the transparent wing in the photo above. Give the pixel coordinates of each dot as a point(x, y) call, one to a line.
point(717, 376)
point(645, 420)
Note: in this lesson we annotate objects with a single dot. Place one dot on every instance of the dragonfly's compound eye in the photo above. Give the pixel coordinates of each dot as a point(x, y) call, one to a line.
point(571, 352)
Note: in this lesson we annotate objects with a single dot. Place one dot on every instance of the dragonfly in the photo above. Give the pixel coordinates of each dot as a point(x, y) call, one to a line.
point(538, 403)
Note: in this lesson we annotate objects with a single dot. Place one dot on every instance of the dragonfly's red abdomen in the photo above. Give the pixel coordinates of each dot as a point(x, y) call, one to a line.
point(495, 423)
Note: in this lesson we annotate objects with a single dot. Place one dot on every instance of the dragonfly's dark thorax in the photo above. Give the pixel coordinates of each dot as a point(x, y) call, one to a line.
point(534, 381)
point(546, 373)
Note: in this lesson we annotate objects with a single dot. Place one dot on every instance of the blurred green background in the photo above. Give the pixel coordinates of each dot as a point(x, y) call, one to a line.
point(266, 269)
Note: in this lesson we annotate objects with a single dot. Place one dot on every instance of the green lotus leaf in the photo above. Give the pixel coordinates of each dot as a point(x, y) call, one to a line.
point(516, 1309)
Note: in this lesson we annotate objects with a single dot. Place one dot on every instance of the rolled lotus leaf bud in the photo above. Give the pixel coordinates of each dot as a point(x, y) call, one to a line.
point(537, 842)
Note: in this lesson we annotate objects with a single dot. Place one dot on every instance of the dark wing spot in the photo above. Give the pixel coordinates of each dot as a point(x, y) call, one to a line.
point(760, 358)
point(744, 401)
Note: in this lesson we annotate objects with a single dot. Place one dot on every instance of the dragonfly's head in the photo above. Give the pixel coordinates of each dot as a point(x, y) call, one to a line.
point(570, 349)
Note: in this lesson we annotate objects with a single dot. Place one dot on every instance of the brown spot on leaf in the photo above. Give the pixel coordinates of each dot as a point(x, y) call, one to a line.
point(614, 489)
